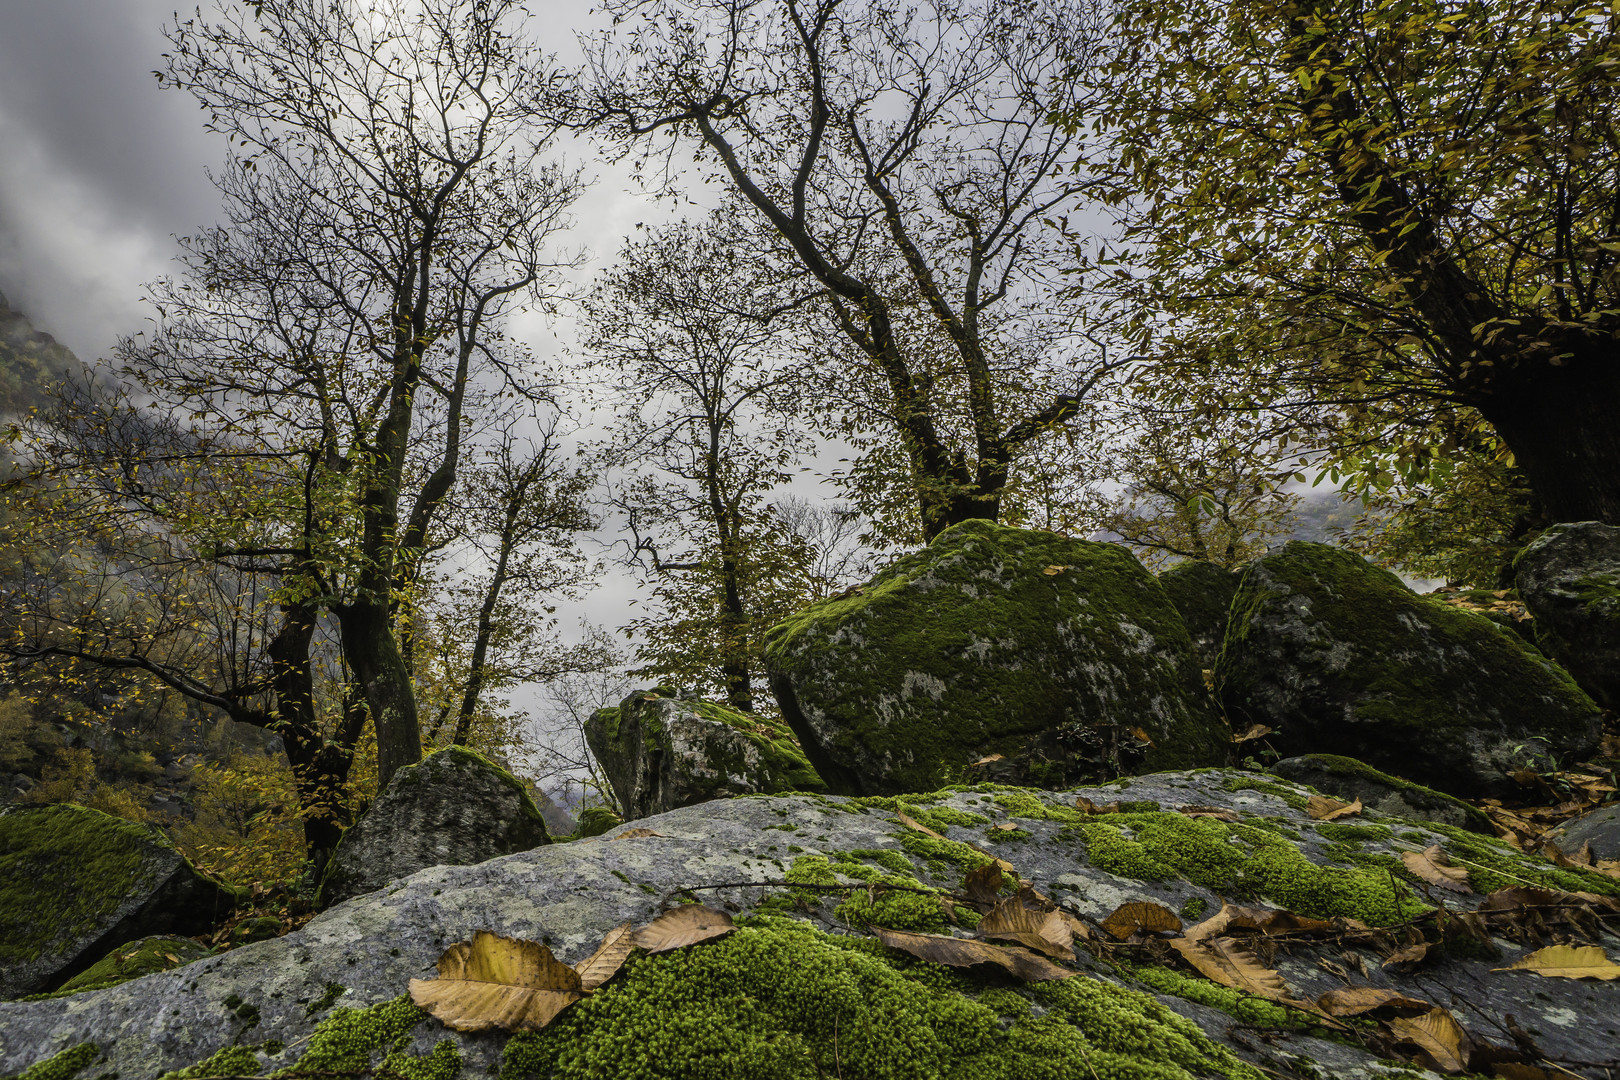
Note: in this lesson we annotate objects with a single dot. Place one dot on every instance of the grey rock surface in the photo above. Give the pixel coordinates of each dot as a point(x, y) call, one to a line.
point(75, 882)
point(365, 951)
point(453, 808)
point(1600, 828)
point(1347, 779)
point(661, 751)
point(1569, 578)
point(1202, 593)
point(1060, 659)
point(1339, 657)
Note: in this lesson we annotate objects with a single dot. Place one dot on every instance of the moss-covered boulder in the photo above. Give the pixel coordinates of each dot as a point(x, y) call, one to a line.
point(161, 952)
point(1569, 578)
point(453, 808)
point(1202, 593)
point(1063, 656)
point(661, 750)
point(75, 882)
point(1339, 657)
point(1346, 778)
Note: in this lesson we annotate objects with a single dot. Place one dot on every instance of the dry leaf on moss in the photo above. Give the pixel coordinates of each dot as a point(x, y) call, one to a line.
point(497, 982)
point(1322, 808)
point(1432, 865)
point(1232, 963)
point(1219, 813)
point(608, 958)
point(1438, 1035)
point(1044, 931)
point(982, 884)
point(1273, 922)
point(1086, 806)
point(636, 834)
point(1355, 1000)
point(1141, 915)
point(1005, 826)
point(961, 952)
point(916, 826)
point(1051, 571)
point(1567, 962)
point(686, 925)
point(1412, 954)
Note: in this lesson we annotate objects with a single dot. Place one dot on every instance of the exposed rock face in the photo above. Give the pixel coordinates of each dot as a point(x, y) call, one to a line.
point(661, 751)
point(75, 882)
point(1202, 592)
point(781, 997)
point(1348, 779)
point(1600, 828)
point(454, 808)
point(1570, 580)
point(1340, 657)
point(1050, 652)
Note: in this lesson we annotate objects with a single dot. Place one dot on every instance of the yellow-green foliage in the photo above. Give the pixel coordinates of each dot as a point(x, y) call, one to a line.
point(135, 959)
point(62, 1066)
point(17, 731)
point(247, 828)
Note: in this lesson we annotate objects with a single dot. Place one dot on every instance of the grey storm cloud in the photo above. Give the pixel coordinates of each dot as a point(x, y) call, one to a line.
point(99, 166)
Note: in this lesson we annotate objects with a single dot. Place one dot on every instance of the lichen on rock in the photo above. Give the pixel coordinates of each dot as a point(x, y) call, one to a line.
point(1202, 593)
point(1047, 651)
point(661, 750)
point(453, 808)
point(1338, 656)
point(1569, 577)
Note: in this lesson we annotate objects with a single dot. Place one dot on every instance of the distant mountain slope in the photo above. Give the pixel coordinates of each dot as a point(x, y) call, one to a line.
point(31, 362)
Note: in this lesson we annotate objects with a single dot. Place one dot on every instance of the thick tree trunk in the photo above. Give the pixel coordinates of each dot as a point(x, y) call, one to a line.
point(373, 655)
point(1560, 422)
point(296, 721)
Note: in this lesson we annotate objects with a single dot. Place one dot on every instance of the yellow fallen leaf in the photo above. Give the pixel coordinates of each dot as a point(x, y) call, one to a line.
point(1255, 731)
point(1232, 963)
point(608, 958)
point(988, 760)
point(1322, 808)
point(683, 926)
point(1005, 826)
point(497, 982)
point(636, 834)
point(1141, 915)
point(915, 826)
point(1355, 1000)
point(1567, 962)
point(1438, 1035)
point(1051, 571)
point(1086, 806)
point(1432, 865)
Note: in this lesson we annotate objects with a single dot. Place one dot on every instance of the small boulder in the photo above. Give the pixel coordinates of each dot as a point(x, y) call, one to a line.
point(1202, 592)
point(1600, 828)
point(1348, 779)
point(1569, 577)
point(1338, 656)
point(75, 882)
point(1064, 657)
point(661, 751)
point(161, 952)
point(453, 808)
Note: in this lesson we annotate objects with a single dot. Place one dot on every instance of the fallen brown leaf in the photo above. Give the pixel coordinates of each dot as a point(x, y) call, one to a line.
point(1412, 954)
point(683, 926)
point(1255, 731)
point(1045, 932)
point(1322, 808)
point(1141, 915)
point(497, 982)
point(1432, 865)
point(1438, 1035)
point(989, 759)
point(1005, 826)
point(1051, 571)
point(982, 884)
point(1086, 806)
point(916, 826)
point(962, 952)
point(635, 834)
point(1355, 1000)
point(1567, 962)
point(1232, 963)
point(1219, 813)
point(608, 958)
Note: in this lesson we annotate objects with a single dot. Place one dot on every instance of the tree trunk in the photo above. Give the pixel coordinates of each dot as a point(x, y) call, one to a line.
point(373, 655)
point(1559, 421)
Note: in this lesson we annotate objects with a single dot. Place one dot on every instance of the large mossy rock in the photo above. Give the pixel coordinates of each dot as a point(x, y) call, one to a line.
point(661, 751)
point(75, 882)
point(1339, 657)
point(1202, 593)
point(1569, 578)
point(161, 952)
point(453, 808)
point(1348, 779)
point(1056, 654)
point(802, 990)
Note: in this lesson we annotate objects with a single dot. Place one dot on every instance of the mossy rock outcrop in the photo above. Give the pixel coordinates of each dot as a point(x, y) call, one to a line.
point(161, 952)
point(661, 750)
point(1569, 577)
point(802, 990)
point(1348, 779)
point(75, 882)
point(1202, 593)
point(1338, 656)
point(453, 808)
point(1059, 655)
